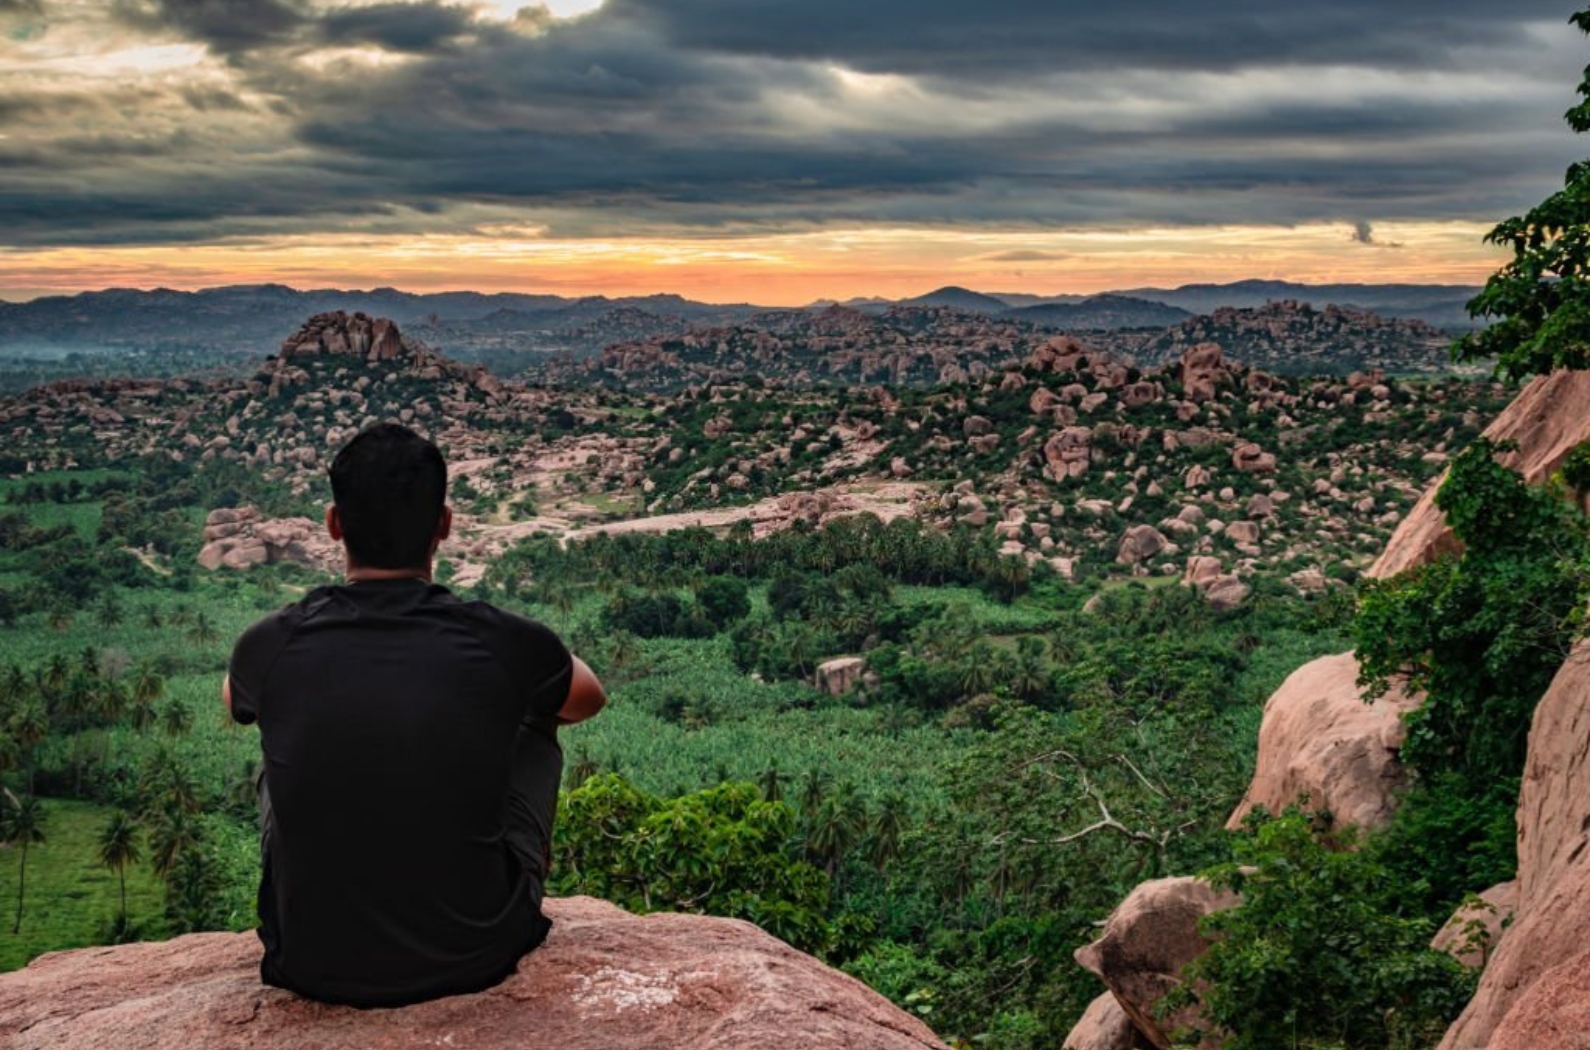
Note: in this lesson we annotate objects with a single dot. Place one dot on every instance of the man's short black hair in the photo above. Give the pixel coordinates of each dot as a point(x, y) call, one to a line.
point(389, 485)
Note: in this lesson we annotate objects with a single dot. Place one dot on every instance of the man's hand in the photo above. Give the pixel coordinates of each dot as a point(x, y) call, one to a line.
point(586, 696)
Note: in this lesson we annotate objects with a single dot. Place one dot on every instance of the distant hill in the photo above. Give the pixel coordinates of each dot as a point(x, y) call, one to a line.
point(247, 320)
point(1441, 305)
point(957, 298)
point(1101, 312)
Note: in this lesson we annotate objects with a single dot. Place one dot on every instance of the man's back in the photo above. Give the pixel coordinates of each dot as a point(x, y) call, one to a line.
point(391, 718)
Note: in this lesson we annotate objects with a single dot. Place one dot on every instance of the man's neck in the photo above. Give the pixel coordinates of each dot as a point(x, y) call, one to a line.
point(360, 574)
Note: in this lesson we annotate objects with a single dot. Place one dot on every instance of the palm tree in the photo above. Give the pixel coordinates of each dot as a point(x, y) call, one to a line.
point(888, 828)
point(814, 787)
point(772, 783)
point(176, 718)
point(118, 847)
point(108, 612)
point(202, 630)
point(24, 826)
point(173, 832)
point(147, 686)
point(1029, 676)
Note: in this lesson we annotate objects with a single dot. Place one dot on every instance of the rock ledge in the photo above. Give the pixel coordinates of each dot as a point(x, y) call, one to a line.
point(605, 980)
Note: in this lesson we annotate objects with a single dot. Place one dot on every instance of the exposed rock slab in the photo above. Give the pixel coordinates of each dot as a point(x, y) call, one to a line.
point(1553, 922)
point(1553, 1015)
point(605, 980)
point(1149, 937)
point(1319, 738)
point(1547, 419)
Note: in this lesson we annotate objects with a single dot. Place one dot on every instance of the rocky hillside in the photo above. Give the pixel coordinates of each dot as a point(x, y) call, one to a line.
point(1070, 459)
point(1296, 338)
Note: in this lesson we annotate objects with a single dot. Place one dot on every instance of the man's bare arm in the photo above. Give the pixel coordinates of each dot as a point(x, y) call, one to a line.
point(586, 696)
point(226, 693)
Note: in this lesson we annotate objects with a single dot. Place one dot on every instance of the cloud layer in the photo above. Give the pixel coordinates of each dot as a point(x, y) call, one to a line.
point(166, 121)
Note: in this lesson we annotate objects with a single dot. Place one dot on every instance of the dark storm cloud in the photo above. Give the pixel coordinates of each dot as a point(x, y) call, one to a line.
point(653, 116)
point(226, 26)
point(395, 26)
point(1014, 37)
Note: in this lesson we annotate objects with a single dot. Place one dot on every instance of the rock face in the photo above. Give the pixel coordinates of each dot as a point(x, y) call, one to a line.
point(1149, 937)
point(1319, 737)
point(236, 538)
point(604, 980)
point(1554, 1013)
point(1548, 418)
point(1105, 1025)
point(1552, 925)
point(1470, 935)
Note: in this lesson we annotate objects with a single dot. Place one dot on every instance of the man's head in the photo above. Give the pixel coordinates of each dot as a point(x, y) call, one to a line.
point(390, 486)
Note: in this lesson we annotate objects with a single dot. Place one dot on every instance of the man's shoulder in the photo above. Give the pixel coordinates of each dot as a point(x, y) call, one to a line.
point(496, 618)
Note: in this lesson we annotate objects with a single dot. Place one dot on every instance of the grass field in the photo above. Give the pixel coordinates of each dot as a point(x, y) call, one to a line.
point(70, 898)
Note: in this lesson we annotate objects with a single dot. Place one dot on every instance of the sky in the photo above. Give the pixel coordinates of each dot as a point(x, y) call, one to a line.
point(772, 151)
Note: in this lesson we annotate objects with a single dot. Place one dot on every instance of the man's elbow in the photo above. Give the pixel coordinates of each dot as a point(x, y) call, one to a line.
point(586, 695)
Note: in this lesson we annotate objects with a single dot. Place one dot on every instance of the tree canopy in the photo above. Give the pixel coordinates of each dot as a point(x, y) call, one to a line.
point(1539, 302)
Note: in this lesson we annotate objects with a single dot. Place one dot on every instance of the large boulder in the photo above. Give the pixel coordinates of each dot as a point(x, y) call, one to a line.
point(1138, 544)
point(1146, 942)
point(1554, 1014)
point(236, 538)
point(1202, 369)
point(840, 675)
point(604, 980)
point(1320, 739)
point(1105, 1025)
point(1547, 419)
point(1552, 925)
point(1067, 453)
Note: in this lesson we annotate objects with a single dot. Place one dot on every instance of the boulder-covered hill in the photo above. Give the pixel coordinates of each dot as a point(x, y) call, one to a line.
point(604, 980)
point(1297, 338)
point(1065, 456)
point(924, 345)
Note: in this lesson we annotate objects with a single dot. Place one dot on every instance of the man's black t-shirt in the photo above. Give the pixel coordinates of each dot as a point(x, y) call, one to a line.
point(388, 715)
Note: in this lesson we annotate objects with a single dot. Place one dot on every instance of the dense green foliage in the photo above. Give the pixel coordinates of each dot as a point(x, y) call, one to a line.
point(722, 851)
point(1319, 954)
point(1480, 633)
point(1538, 303)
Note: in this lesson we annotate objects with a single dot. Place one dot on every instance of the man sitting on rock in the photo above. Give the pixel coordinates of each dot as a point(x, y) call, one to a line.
point(411, 761)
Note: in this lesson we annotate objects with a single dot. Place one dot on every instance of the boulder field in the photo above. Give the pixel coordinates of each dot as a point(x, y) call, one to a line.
point(604, 980)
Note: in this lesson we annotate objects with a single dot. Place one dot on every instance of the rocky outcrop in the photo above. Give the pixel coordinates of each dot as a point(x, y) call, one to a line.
point(1105, 1025)
point(1202, 370)
point(1320, 739)
point(1552, 925)
point(1149, 937)
point(840, 675)
point(1470, 935)
point(604, 980)
point(237, 538)
point(1067, 453)
point(1548, 418)
point(1139, 544)
point(375, 340)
